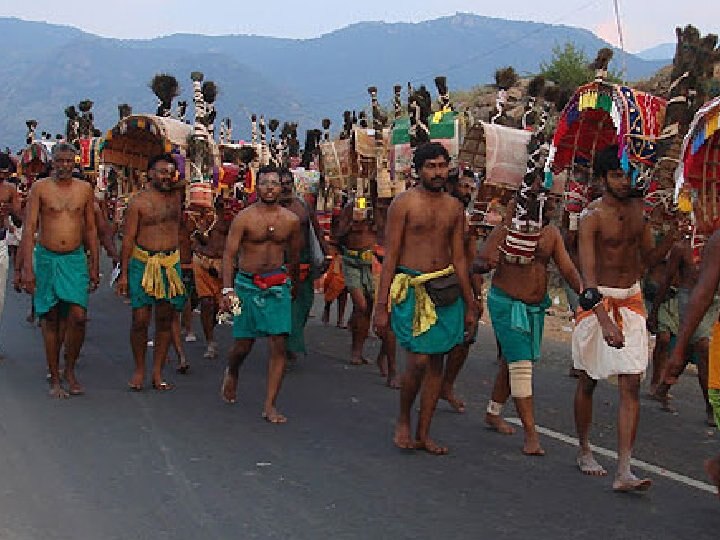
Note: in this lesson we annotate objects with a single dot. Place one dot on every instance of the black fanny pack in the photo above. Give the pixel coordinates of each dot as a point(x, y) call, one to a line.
point(443, 291)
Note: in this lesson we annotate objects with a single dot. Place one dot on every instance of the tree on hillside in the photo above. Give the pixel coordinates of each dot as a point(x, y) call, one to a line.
point(568, 67)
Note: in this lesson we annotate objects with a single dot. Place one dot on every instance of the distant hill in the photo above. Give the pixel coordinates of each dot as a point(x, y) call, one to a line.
point(53, 66)
point(664, 51)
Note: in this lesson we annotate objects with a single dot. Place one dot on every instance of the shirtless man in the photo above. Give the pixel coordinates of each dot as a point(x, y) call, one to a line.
point(262, 235)
point(208, 247)
point(10, 205)
point(699, 302)
point(57, 271)
point(357, 239)
point(685, 267)
point(610, 337)
point(303, 302)
point(461, 188)
point(423, 243)
point(521, 288)
point(150, 272)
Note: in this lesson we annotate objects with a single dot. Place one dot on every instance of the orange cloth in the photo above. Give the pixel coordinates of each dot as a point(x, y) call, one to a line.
point(334, 281)
point(206, 285)
point(714, 358)
point(612, 306)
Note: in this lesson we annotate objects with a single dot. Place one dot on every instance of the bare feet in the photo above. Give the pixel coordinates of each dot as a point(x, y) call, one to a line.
point(587, 465)
point(402, 436)
point(629, 482)
point(228, 389)
point(431, 447)
point(136, 383)
point(392, 382)
point(498, 423)
point(342, 325)
point(74, 386)
point(712, 468)
point(710, 420)
point(273, 416)
point(183, 368)
point(574, 373)
point(163, 386)
point(358, 361)
point(326, 317)
point(382, 364)
point(58, 392)
point(457, 404)
point(532, 447)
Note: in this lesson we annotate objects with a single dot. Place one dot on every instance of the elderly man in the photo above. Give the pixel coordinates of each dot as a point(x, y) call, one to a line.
point(57, 271)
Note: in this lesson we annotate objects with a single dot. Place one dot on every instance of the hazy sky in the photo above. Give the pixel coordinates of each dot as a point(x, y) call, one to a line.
point(645, 23)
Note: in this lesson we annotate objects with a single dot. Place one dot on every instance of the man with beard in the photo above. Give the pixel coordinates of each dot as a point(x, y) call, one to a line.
point(57, 271)
point(461, 188)
point(303, 302)
point(150, 271)
point(610, 339)
point(263, 236)
point(357, 239)
point(207, 268)
point(10, 205)
point(517, 302)
point(426, 281)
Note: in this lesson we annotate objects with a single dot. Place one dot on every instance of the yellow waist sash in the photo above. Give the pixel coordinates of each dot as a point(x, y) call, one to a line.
point(152, 281)
point(425, 315)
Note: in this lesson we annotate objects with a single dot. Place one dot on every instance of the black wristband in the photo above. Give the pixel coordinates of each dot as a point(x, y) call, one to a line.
point(590, 298)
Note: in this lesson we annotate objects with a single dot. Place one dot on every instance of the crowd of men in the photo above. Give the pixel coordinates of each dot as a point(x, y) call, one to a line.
point(419, 279)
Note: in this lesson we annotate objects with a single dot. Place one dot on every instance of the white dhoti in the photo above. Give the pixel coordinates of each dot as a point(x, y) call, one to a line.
point(593, 355)
point(4, 268)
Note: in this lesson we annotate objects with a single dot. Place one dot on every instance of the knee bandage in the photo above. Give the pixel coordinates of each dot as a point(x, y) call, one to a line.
point(520, 379)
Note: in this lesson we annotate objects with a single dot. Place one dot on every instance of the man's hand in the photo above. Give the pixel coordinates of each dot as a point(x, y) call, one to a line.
point(225, 302)
point(27, 280)
point(381, 320)
point(611, 333)
point(471, 320)
point(674, 366)
point(122, 285)
point(94, 279)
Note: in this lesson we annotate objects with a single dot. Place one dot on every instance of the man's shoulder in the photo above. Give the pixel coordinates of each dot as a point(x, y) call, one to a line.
point(289, 215)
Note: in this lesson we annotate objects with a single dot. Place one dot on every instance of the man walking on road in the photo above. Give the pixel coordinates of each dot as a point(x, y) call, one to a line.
point(57, 271)
point(9, 206)
point(260, 294)
point(610, 337)
point(425, 278)
point(150, 266)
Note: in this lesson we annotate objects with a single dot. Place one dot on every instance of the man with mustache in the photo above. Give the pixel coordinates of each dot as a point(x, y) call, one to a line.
point(303, 302)
point(261, 239)
point(425, 281)
point(208, 247)
point(57, 271)
point(461, 188)
point(150, 271)
point(610, 339)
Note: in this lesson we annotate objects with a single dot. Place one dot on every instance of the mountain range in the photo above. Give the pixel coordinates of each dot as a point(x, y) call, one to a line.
point(48, 67)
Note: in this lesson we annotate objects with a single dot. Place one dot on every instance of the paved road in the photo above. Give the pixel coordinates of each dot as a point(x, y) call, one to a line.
point(183, 465)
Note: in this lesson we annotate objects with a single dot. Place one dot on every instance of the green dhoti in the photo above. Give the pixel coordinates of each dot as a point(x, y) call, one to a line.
point(518, 326)
point(357, 271)
point(300, 311)
point(446, 332)
point(265, 312)
point(60, 278)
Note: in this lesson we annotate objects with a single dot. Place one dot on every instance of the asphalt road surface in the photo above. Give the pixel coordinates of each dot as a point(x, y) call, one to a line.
point(184, 465)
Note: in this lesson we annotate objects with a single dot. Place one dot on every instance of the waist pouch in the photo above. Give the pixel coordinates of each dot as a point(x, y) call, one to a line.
point(443, 291)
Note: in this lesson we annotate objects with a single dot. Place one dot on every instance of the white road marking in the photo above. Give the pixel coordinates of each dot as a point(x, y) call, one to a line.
point(649, 467)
